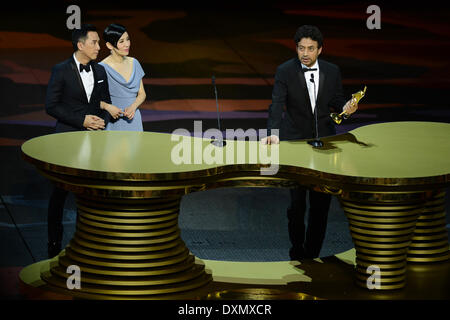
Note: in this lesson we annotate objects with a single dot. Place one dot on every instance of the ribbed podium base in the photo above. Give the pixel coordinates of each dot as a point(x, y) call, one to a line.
point(391, 229)
point(128, 249)
point(430, 240)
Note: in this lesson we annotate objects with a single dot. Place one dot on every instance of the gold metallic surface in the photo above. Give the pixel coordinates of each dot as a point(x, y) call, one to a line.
point(329, 190)
point(424, 224)
point(259, 294)
point(130, 213)
point(426, 216)
point(393, 272)
point(128, 199)
point(428, 251)
point(428, 237)
point(128, 272)
point(379, 258)
point(136, 227)
point(415, 245)
point(402, 212)
point(132, 207)
point(121, 264)
point(128, 281)
point(389, 245)
point(393, 200)
point(108, 247)
point(431, 230)
point(151, 269)
point(380, 251)
point(386, 266)
point(370, 238)
point(331, 278)
point(128, 221)
point(382, 232)
point(385, 279)
point(430, 240)
point(377, 219)
point(128, 256)
point(131, 242)
point(100, 231)
point(384, 286)
point(381, 225)
point(429, 258)
point(120, 292)
point(347, 159)
point(402, 232)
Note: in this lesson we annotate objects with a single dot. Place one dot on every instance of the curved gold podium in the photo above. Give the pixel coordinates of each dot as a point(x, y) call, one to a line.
point(390, 179)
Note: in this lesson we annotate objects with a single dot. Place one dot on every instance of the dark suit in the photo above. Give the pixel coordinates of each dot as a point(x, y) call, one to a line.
point(67, 101)
point(66, 98)
point(290, 92)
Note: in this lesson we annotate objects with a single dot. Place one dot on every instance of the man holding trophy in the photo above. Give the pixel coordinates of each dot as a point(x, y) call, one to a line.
point(309, 89)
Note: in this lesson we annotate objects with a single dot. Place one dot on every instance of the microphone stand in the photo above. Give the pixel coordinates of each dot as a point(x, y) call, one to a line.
point(217, 142)
point(316, 143)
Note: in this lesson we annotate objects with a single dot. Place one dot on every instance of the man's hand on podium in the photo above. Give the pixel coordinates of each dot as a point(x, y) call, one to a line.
point(273, 139)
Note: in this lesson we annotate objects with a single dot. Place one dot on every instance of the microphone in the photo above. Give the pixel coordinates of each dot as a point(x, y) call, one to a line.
point(217, 142)
point(316, 143)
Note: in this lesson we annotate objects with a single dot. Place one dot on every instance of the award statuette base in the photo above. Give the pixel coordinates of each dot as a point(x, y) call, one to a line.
point(316, 143)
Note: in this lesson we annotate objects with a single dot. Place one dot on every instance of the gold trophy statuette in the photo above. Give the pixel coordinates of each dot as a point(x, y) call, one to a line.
point(355, 99)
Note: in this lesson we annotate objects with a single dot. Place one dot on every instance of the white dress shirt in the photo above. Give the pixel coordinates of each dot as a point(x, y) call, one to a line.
point(310, 85)
point(87, 78)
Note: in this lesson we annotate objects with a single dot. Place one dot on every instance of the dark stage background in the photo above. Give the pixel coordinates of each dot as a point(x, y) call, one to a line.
point(404, 64)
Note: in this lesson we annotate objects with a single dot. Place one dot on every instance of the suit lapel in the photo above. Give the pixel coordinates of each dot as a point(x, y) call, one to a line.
point(321, 83)
point(303, 86)
point(94, 71)
point(77, 75)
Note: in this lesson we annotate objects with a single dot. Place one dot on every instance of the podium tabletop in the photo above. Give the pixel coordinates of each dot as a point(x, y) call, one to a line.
point(383, 153)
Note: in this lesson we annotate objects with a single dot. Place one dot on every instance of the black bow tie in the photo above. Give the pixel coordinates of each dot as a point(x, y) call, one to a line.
point(306, 69)
point(86, 67)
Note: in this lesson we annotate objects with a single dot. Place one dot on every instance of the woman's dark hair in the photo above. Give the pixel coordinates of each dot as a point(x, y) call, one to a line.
point(113, 32)
point(81, 34)
point(308, 31)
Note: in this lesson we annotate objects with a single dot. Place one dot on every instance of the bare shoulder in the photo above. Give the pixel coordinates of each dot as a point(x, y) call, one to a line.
point(106, 61)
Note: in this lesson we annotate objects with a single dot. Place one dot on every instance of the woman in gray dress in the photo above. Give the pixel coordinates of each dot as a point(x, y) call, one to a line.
point(124, 80)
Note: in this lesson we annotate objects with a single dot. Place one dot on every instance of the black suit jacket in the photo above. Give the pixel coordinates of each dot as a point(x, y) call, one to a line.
point(66, 98)
point(290, 91)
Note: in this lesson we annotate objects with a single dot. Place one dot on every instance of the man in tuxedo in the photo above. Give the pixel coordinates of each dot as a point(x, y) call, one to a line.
point(76, 96)
point(302, 98)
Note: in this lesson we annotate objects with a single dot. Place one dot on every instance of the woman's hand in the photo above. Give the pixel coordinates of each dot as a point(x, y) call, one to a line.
point(114, 111)
point(129, 112)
